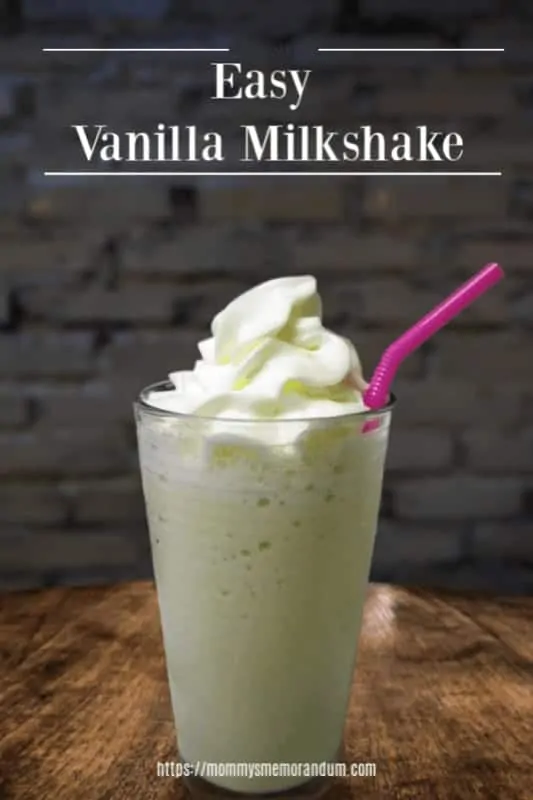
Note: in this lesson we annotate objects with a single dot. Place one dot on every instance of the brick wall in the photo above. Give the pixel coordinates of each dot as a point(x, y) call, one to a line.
point(105, 287)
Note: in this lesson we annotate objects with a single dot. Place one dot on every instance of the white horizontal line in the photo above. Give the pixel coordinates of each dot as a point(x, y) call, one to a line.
point(136, 50)
point(227, 50)
point(269, 174)
point(411, 50)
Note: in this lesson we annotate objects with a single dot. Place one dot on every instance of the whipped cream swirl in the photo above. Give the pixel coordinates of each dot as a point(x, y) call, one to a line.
point(269, 357)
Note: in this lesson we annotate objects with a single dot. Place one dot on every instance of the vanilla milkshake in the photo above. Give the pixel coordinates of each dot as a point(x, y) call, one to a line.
point(262, 474)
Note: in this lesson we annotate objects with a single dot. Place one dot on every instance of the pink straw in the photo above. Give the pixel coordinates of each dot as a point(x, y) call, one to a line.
point(376, 396)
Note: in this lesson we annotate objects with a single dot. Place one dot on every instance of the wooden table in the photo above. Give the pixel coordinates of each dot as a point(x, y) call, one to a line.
point(442, 700)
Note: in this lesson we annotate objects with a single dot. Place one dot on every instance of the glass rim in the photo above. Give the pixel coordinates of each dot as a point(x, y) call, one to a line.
point(142, 403)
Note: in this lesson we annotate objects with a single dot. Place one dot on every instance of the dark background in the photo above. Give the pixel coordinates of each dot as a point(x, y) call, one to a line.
point(106, 285)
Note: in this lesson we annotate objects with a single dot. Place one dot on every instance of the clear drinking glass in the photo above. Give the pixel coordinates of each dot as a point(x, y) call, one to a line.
point(262, 535)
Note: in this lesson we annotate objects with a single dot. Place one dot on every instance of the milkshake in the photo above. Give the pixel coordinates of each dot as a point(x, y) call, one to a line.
point(262, 473)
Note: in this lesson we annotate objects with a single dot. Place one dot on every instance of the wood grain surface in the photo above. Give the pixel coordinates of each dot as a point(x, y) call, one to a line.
point(442, 698)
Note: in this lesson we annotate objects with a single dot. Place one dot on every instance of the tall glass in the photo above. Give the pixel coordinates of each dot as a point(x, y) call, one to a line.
point(262, 535)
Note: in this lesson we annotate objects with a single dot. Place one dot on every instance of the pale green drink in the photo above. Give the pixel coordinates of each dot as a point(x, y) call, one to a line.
point(261, 555)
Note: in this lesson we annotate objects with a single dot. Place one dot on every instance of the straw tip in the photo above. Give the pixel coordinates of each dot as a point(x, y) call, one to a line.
point(496, 269)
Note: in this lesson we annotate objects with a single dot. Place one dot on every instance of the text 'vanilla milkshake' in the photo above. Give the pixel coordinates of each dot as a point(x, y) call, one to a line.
point(262, 474)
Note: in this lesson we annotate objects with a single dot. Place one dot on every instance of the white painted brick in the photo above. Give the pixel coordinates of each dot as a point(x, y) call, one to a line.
point(456, 402)
point(115, 500)
point(135, 304)
point(36, 504)
point(82, 451)
point(484, 356)
point(394, 302)
point(14, 411)
point(436, 197)
point(62, 550)
point(197, 249)
point(419, 449)
point(489, 450)
point(279, 200)
point(458, 497)
point(512, 541)
point(399, 546)
point(50, 353)
point(343, 250)
point(512, 255)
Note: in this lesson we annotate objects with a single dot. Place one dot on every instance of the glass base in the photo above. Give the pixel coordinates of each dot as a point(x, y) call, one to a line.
point(200, 789)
